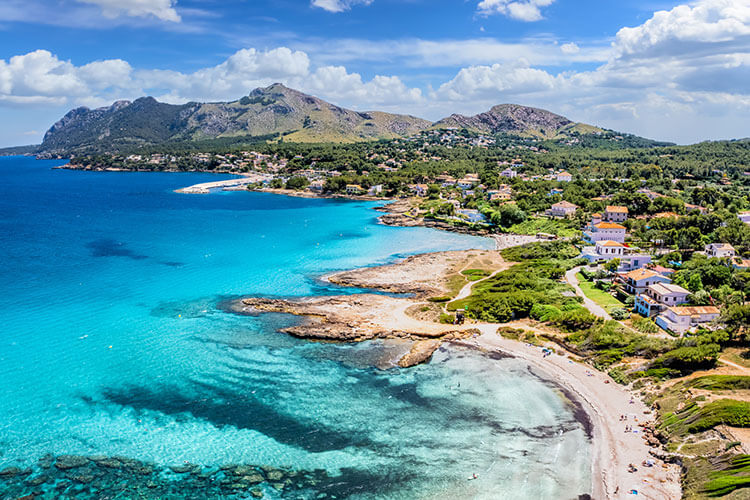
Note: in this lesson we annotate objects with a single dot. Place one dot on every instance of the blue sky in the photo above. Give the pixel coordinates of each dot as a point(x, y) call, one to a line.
point(664, 69)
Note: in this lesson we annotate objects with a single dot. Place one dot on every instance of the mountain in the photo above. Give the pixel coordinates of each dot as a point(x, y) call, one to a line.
point(271, 111)
point(519, 120)
point(278, 111)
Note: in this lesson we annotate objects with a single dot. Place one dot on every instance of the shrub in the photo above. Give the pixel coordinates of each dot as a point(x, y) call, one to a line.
point(511, 333)
point(576, 319)
point(723, 411)
point(661, 373)
point(447, 319)
point(644, 325)
point(619, 313)
point(544, 312)
point(721, 382)
point(619, 375)
point(608, 357)
point(690, 358)
point(441, 298)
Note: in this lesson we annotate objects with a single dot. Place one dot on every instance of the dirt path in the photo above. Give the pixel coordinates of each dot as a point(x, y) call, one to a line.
point(742, 369)
point(466, 290)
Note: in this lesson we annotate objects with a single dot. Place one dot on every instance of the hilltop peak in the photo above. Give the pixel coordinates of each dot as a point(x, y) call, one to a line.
point(512, 119)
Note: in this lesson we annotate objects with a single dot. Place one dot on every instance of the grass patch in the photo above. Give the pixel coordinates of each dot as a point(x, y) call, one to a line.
point(693, 418)
point(439, 298)
point(601, 297)
point(734, 477)
point(476, 274)
point(534, 225)
point(721, 383)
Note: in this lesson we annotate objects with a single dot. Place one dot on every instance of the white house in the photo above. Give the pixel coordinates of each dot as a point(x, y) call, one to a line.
point(744, 217)
point(683, 318)
point(375, 190)
point(316, 186)
point(419, 189)
point(659, 296)
point(564, 177)
point(614, 213)
point(608, 250)
point(562, 209)
point(354, 189)
point(467, 182)
point(638, 280)
point(720, 250)
point(605, 231)
point(508, 173)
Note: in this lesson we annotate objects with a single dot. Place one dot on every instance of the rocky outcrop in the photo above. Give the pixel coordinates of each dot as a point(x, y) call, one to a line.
point(344, 318)
point(420, 352)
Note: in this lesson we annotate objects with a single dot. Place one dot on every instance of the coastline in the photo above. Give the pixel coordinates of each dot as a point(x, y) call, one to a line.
point(362, 317)
point(612, 449)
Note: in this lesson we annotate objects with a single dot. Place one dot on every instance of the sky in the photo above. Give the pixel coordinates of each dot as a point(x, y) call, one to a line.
point(667, 70)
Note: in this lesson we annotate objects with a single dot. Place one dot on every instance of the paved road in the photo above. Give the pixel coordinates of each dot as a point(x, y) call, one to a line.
point(592, 306)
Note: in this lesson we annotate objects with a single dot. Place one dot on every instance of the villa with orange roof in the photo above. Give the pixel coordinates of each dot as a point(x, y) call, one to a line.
point(562, 209)
point(614, 213)
point(605, 231)
point(638, 280)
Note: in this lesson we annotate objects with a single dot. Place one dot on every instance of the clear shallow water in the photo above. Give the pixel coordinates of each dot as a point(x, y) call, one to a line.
point(113, 343)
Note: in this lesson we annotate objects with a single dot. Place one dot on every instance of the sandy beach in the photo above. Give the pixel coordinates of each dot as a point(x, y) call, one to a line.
point(368, 316)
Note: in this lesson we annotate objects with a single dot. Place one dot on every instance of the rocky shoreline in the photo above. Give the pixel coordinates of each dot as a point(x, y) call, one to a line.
point(79, 476)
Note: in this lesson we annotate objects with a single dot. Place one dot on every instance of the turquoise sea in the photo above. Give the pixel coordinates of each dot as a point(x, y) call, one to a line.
point(115, 345)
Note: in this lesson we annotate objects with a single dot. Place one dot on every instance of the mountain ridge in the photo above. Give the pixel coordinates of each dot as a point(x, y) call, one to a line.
point(277, 111)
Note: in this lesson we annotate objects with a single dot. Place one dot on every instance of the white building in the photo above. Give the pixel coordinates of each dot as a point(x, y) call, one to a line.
point(608, 250)
point(659, 296)
point(614, 213)
point(562, 209)
point(508, 173)
point(564, 177)
point(720, 250)
point(682, 319)
point(638, 280)
point(605, 231)
point(316, 186)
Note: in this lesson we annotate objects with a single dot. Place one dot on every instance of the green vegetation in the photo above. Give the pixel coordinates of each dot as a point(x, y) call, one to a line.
point(475, 274)
point(534, 225)
point(607, 301)
point(512, 293)
point(720, 383)
point(693, 418)
point(644, 325)
point(441, 298)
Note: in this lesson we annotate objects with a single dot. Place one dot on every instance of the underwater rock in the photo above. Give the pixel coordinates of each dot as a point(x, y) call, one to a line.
point(65, 462)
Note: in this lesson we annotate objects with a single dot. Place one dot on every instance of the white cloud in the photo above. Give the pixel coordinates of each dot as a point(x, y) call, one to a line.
point(570, 48)
point(40, 77)
point(655, 79)
point(161, 9)
point(489, 82)
point(724, 24)
point(523, 10)
point(338, 5)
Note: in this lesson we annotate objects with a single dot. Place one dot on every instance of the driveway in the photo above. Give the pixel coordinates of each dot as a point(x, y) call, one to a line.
point(592, 306)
